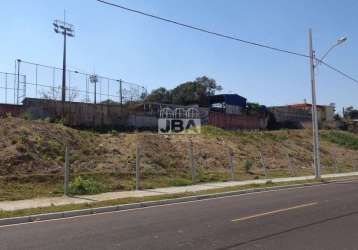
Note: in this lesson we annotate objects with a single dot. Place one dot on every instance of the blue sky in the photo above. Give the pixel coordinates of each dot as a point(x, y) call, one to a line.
point(124, 45)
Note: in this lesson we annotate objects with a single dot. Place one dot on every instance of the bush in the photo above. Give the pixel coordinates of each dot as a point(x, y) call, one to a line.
point(114, 132)
point(26, 115)
point(23, 138)
point(247, 165)
point(8, 115)
point(85, 186)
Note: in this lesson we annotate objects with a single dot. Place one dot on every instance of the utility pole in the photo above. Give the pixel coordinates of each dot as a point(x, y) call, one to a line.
point(315, 129)
point(67, 30)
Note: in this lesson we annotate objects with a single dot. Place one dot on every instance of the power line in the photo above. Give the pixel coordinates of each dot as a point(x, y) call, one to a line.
point(229, 37)
point(339, 71)
point(206, 31)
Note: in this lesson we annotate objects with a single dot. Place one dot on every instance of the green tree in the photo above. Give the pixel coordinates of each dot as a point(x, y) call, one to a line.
point(160, 95)
point(351, 113)
point(192, 92)
point(195, 92)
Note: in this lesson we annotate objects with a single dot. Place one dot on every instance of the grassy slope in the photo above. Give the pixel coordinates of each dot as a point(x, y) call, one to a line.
point(31, 156)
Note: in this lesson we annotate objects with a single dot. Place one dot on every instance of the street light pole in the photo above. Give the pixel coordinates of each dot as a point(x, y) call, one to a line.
point(313, 64)
point(315, 129)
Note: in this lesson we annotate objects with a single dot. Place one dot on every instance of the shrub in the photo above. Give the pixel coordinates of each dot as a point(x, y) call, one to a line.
point(85, 186)
point(8, 115)
point(247, 165)
point(23, 138)
point(114, 132)
point(26, 115)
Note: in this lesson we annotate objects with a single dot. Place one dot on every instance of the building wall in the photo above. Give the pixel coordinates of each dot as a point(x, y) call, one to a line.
point(325, 113)
point(330, 111)
point(139, 116)
point(231, 121)
point(14, 110)
point(77, 114)
point(104, 115)
point(289, 114)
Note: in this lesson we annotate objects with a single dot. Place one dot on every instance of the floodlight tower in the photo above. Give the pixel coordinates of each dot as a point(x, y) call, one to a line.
point(94, 80)
point(67, 30)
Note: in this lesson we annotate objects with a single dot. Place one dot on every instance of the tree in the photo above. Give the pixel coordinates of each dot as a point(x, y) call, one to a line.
point(192, 92)
point(351, 113)
point(195, 92)
point(110, 102)
point(160, 95)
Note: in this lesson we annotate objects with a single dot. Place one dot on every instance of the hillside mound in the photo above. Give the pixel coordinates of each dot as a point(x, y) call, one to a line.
point(37, 147)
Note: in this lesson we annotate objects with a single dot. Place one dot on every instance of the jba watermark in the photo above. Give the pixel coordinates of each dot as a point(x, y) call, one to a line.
point(179, 121)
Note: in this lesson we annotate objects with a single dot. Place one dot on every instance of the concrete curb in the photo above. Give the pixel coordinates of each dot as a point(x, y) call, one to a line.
point(100, 210)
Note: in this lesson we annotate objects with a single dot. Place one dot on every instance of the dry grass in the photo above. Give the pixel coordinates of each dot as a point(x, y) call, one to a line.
point(36, 148)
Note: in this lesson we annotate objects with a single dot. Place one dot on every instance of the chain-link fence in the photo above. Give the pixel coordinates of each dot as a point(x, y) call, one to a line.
point(33, 80)
point(12, 88)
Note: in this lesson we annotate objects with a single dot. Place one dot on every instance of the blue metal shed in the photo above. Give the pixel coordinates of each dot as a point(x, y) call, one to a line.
point(230, 99)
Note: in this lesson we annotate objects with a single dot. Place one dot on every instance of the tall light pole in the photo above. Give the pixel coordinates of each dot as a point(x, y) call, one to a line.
point(94, 80)
point(313, 64)
point(67, 30)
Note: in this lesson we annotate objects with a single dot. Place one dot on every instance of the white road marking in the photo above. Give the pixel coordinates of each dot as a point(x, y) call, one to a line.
point(275, 212)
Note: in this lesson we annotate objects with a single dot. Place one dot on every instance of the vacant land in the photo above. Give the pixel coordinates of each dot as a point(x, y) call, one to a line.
point(32, 156)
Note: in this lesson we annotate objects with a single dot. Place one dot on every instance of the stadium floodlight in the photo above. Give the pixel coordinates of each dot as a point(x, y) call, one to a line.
point(94, 79)
point(67, 30)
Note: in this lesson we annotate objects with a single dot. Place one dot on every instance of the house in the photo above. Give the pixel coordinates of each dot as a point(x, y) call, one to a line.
point(302, 112)
point(325, 112)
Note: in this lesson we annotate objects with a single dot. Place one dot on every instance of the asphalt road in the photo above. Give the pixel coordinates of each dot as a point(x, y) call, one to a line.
point(319, 217)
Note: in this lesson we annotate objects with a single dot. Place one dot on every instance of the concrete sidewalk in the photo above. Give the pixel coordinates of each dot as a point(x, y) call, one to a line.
point(57, 201)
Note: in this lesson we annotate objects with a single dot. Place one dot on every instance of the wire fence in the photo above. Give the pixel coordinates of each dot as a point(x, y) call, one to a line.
point(181, 167)
point(12, 87)
point(33, 80)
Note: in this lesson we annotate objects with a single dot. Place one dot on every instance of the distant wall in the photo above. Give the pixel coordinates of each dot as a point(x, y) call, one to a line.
point(288, 114)
point(14, 110)
point(116, 116)
point(232, 121)
point(77, 114)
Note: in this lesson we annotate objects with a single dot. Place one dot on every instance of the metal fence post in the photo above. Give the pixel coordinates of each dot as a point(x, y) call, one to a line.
point(293, 172)
point(137, 167)
point(264, 165)
point(121, 92)
point(231, 163)
point(191, 159)
point(67, 171)
point(336, 161)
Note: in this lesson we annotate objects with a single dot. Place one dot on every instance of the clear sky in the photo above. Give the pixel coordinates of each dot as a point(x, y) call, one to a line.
point(124, 45)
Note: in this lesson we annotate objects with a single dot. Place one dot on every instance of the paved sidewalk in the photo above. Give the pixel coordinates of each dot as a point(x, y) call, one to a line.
point(57, 201)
